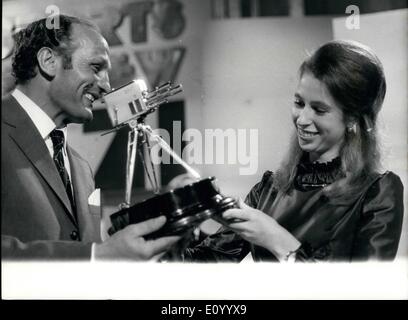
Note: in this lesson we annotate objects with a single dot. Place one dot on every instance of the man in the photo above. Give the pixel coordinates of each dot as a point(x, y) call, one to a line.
point(45, 183)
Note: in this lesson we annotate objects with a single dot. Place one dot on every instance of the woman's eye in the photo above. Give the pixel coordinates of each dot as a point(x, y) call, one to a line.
point(320, 111)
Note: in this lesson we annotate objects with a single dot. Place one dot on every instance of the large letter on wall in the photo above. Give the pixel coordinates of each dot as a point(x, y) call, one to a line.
point(138, 14)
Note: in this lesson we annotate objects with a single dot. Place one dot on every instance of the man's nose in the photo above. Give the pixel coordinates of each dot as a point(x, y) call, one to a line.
point(103, 82)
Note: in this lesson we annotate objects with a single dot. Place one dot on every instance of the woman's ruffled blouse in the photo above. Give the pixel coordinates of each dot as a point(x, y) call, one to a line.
point(315, 175)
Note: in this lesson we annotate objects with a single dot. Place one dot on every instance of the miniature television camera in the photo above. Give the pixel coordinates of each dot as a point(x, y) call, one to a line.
point(132, 100)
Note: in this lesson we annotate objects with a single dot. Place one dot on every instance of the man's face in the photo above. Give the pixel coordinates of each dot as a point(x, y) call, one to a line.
point(73, 90)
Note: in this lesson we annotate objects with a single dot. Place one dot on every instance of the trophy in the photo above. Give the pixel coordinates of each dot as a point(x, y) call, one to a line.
point(185, 208)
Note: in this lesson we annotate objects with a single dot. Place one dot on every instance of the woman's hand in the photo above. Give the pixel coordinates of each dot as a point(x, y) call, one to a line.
point(262, 230)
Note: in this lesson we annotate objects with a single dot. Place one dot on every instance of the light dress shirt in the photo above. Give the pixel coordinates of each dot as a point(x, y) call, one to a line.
point(44, 125)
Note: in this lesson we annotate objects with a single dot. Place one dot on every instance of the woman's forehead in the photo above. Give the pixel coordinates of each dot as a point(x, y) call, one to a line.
point(312, 87)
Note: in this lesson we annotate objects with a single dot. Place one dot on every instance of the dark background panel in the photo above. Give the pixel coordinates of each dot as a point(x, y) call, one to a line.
point(111, 174)
point(168, 113)
point(338, 7)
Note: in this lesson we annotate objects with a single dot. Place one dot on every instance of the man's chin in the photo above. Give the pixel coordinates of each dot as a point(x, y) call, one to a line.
point(83, 118)
point(89, 116)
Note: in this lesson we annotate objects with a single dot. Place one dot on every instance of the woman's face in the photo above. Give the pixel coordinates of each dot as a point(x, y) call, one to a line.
point(318, 119)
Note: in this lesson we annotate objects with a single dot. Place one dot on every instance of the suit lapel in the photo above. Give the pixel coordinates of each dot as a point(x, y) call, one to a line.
point(82, 189)
point(27, 137)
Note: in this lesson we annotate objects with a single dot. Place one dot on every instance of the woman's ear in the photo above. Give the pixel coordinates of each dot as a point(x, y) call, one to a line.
point(351, 121)
point(352, 126)
point(47, 62)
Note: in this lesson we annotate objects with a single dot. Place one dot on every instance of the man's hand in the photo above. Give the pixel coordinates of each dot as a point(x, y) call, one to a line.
point(129, 244)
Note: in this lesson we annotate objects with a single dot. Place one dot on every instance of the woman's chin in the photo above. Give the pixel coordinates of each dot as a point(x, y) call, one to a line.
point(305, 145)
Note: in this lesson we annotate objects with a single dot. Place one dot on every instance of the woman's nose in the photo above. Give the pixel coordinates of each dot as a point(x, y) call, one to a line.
point(304, 117)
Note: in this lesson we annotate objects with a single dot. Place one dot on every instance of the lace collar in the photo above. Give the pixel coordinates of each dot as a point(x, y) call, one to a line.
point(315, 175)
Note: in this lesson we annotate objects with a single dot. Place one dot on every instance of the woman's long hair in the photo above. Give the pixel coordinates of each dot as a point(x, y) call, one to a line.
point(355, 78)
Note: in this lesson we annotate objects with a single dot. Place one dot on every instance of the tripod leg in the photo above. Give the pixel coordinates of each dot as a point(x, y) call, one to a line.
point(154, 184)
point(149, 158)
point(130, 163)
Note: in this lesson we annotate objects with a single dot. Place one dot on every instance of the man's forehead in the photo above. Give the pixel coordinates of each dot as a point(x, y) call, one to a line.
point(85, 35)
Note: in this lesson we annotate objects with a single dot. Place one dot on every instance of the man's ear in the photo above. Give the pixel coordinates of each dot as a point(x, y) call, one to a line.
point(47, 62)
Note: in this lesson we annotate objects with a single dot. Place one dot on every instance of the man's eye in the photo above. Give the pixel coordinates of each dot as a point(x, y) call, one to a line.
point(96, 67)
point(299, 103)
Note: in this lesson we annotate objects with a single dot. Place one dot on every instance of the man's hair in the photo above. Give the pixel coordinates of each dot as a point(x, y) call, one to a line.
point(38, 35)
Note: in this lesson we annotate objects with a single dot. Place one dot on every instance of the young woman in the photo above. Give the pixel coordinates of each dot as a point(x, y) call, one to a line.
point(329, 200)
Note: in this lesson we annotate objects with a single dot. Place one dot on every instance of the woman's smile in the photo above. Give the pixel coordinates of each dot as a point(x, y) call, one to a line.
point(306, 134)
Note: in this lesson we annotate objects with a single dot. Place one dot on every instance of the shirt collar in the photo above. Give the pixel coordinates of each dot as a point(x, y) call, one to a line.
point(41, 120)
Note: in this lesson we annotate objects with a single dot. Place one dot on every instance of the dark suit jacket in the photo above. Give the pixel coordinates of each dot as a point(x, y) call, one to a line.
point(36, 215)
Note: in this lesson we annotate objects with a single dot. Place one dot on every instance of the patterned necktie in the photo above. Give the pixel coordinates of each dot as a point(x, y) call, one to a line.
point(57, 137)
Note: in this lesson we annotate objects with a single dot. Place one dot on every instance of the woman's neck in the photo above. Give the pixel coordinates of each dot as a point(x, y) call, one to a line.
point(322, 158)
